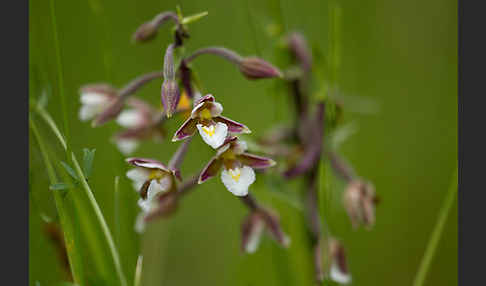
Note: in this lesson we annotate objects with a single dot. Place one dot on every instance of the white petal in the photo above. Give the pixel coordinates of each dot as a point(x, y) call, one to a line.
point(216, 109)
point(254, 238)
point(87, 112)
point(130, 118)
point(145, 205)
point(213, 135)
point(127, 146)
point(238, 180)
point(150, 165)
point(337, 275)
point(156, 188)
point(137, 185)
point(92, 98)
point(138, 175)
point(140, 223)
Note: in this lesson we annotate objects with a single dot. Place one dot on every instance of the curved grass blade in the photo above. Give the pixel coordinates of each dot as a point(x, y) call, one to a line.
point(72, 244)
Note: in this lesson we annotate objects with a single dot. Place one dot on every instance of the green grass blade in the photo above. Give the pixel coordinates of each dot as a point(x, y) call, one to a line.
point(72, 244)
point(108, 261)
point(60, 78)
point(436, 233)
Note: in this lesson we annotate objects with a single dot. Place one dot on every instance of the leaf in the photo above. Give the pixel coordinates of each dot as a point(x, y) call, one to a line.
point(58, 187)
point(194, 18)
point(44, 97)
point(69, 170)
point(88, 158)
point(341, 134)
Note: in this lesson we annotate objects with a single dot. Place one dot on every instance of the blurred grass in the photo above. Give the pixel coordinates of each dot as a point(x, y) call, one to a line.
point(401, 54)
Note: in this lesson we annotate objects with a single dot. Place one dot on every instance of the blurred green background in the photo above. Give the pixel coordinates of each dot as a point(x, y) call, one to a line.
point(401, 55)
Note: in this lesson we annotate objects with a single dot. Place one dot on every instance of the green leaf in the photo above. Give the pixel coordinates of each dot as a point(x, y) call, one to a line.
point(44, 97)
point(88, 157)
point(69, 170)
point(194, 18)
point(58, 187)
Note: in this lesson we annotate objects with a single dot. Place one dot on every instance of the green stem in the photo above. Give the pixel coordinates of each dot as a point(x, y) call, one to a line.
point(437, 233)
point(59, 71)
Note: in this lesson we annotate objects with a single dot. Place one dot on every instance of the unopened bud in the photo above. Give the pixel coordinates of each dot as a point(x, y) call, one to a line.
point(256, 68)
point(300, 49)
point(170, 89)
point(146, 32)
point(170, 96)
point(360, 201)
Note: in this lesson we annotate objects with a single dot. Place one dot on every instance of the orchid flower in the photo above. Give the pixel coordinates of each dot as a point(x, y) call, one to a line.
point(95, 99)
point(237, 174)
point(152, 180)
point(338, 271)
point(253, 227)
point(206, 118)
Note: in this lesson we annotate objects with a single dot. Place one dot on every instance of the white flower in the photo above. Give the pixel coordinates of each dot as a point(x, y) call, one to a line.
point(159, 181)
point(127, 146)
point(130, 118)
point(92, 104)
point(238, 180)
point(337, 275)
point(214, 135)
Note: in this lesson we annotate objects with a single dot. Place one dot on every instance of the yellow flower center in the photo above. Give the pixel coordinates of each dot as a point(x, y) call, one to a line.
point(205, 114)
point(235, 174)
point(156, 174)
point(184, 102)
point(209, 130)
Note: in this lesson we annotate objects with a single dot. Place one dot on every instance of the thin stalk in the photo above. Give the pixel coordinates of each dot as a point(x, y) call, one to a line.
point(68, 231)
point(138, 271)
point(117, 210)
point(59, 71)
point(218, 51)
point(436, 233)
point(101, 220)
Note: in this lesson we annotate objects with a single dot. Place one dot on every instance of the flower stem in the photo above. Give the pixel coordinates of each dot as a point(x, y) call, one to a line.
point(436, 233)
point(138, 82)
point(179, 155)
point(218, 51)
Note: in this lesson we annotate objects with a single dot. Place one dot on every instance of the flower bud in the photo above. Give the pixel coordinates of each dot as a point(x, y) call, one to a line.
point(300, 49)
point(146, 32)
point(170, 89)
point(170, 96)
point(256, 68)
point(360, 201)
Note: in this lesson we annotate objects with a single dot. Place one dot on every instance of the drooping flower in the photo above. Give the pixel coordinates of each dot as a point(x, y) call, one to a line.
point(253, 226)
point(154, 182)
point(360, 200)
point(206, 118)
point(95, 99)
point(141, 122)
point(338, 271)
point(237, 174)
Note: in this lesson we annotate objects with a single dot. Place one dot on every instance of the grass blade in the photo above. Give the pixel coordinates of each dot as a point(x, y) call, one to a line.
point(74, 253)
point(436, 233)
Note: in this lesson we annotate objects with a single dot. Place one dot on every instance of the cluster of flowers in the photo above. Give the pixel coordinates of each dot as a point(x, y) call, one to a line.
point(161, 186)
